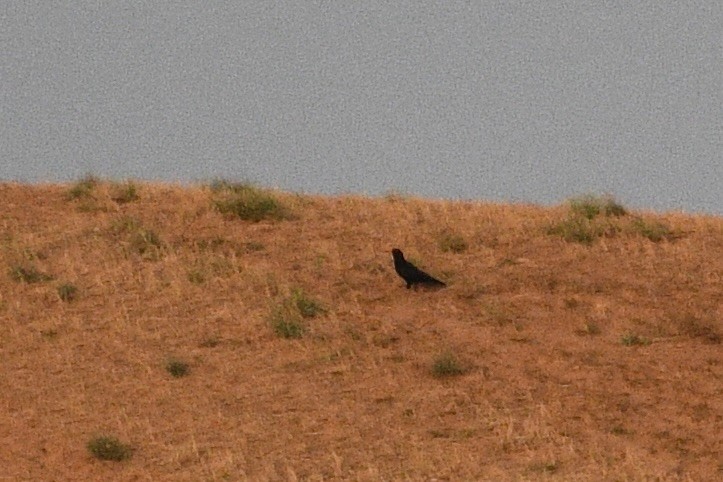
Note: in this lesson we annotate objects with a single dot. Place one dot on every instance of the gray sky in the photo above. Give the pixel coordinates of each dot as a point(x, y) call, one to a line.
point(503, 100)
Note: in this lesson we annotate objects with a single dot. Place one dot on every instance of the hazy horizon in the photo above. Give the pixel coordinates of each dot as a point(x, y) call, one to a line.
point(511, 101)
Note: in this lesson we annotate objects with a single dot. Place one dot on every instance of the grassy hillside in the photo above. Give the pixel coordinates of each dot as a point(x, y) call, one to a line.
point(580, 342)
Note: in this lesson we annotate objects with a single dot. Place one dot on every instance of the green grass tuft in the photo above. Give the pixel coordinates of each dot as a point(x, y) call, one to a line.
point(146, 243)
point(140, 240)
point(286, 325)
point(590, 206)
point(109, 448)
point(177, 368)
point(630, 339)
point(583, 223)
point(287, 318)
point(83, 188)
point(446, 365)
point(247, 202)
point(652, 230)
point(125, 192)
point(307, 307)
point(50, 334)
point(67, 292)
point(576, 229)
point(29, 274)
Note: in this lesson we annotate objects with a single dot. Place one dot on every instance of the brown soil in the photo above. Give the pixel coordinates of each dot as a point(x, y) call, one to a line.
point(580, 362)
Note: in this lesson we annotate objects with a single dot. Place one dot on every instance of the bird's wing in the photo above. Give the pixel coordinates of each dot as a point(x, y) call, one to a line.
point(419, 276)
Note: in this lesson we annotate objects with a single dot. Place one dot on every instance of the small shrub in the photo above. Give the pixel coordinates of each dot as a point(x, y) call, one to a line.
point(613, 208)
point(51, 334)
point(125, 193)
point(67, 292)
point(619, 430)
point(142, 241)
point(146, 243)
point(446, 365)
point(177, 368)
point(654, 231)
point(286, 325)
point(83, 188)
point(630, 339)
point(581, 226)
point(590, 206)
point(287, 317)
point(29, 274)
point(576, 229)
point(109, 448)
point(247, 202)
point(308, 308)
point(454, 243)
point(585, 206)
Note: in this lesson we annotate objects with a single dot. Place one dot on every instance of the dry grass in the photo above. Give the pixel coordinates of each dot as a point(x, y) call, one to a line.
point(549, 390)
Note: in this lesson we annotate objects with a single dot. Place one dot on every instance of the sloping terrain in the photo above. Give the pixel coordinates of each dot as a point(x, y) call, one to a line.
point(566, 346)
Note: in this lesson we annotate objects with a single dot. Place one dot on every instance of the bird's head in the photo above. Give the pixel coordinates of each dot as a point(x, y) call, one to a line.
point(397, 253)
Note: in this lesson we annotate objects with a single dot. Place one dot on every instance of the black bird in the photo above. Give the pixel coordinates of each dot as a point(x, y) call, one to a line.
point(411, 274)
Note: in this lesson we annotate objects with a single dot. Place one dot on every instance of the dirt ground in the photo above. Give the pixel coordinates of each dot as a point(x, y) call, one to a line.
point(597, 360)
